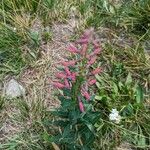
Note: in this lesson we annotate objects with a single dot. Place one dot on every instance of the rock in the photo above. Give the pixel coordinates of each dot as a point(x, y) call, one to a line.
point(13, 89)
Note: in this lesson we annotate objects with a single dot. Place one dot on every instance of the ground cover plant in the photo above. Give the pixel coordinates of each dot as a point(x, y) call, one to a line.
point(113, 112)
point(76, 116)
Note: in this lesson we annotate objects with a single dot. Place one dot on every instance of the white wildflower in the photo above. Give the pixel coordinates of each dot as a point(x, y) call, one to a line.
point(114, 116)
point(14, 29)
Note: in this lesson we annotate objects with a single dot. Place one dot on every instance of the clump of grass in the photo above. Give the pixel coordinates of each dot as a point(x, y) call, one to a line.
point(124, 86)
point(10, 53)
point(2, 103)
point(14, 55)
point(26, 122)
point(132, 16)
point(136, 16)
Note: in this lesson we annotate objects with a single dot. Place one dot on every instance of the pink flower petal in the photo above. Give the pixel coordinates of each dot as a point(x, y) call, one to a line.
point(92, 60)
point(61, 75)
point(91, 82)
point(73, 76)
point(67, 71)
point(71, 48)
point(58, 85)
point(67, 84)
point(88, 33)
point(82, 41)
point(97, 71)
point(69, 63)
point(97, 51)
point(86, 95)
point(81, 106)
point(96, 44)
point(84, 49)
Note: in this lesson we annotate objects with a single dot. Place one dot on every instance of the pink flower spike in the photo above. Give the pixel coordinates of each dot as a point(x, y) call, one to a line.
point(69, 63)
point(58, 85)
point(61, 75)
point(71, 48)
point(92, 60)
point(96, 71)
point(86, 95)
point(91, 82)
point(67, 84)
point(81, 106)
point(67, 71)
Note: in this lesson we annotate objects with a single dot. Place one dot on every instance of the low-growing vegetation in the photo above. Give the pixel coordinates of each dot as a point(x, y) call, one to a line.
point(85, 67)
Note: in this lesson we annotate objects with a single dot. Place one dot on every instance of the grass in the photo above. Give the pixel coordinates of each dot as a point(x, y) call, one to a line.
point(24, 122)
point(124, 86)
point(20, 49)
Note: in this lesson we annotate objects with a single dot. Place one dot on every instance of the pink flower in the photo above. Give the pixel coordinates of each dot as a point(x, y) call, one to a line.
point(81, 106)
point(91, 82)
point(86, 95)
point(84, 49)
point(82, 41)
point(96, 71)
point(67, 84)
point(96, 44)
point(67, 71)
point(92, 60)
point(73, 76)
point(88, 33)
point(58, 85)
point(71, 48)
point(61, 75)
point(97, 51)
point(69, 63)
point(85, 37)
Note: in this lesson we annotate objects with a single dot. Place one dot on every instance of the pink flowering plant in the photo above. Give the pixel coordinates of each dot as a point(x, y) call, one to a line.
point(76, 116)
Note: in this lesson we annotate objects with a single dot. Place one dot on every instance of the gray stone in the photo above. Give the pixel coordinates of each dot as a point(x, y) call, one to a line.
point(13, 89)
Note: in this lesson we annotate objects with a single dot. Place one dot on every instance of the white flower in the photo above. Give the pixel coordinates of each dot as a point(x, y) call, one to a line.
point(14, 29)
point(114, 116)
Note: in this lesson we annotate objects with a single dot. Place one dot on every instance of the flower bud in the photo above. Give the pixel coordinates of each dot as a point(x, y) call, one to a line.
point(58, 85)
point(96, 71)
point(81, 106)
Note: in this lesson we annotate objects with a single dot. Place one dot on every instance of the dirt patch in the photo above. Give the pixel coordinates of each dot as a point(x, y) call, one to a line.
point(42, 74)
point(37, 81)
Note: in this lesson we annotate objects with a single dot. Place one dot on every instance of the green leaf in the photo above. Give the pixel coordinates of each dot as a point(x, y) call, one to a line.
point(139, 94)
point(98, 77)
point(98, 85)
point(129, 79)
point(67, 92)
point(115, 88)
point(141, 140)
point(60, 123)
point(98, 97)
point(128, 110)
point(120, 84)
point(60, 113)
